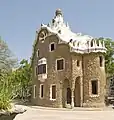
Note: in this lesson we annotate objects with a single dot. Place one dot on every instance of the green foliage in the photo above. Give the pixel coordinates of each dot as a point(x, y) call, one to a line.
point(7, 62)
point(5, 92)
point(22, 79)
point(16, 83)
point(109, 56)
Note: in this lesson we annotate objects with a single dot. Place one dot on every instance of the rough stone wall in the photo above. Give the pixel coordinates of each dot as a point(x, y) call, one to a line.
point(76, 70)
point(92, 70)
point(77, 73)
point(53, 76)
point(89, 69)
point(34, 79)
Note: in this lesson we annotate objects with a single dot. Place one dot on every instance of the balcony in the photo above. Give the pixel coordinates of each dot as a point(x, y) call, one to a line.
point(42, 77)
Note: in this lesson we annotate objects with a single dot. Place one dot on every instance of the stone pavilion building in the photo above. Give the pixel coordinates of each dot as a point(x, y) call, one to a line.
point(67, 68)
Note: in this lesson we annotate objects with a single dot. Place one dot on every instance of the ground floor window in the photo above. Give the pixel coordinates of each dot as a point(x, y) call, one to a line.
point(41, 91)
point(94, 84)
point(53, 92)
point(34, 91)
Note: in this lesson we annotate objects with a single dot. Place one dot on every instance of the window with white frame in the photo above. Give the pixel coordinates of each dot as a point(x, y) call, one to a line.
point(53, 92)
point(52, 47)
point(34, 91)
point(60, 64)
point(94, 85)
point(41, 90)
point(42, 66)
point(42, 69)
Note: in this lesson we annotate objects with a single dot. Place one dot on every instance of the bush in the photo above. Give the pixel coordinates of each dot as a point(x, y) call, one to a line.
point(5, 92)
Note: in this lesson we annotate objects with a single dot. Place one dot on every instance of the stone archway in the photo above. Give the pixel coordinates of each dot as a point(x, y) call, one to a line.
point(77, 94)
point(66, 93)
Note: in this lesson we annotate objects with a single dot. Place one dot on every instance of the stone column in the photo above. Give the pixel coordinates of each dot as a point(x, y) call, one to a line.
point(72, 98)
point(81, 91)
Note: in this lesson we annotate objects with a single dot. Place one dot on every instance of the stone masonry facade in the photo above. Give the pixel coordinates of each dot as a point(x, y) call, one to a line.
point(73, 83)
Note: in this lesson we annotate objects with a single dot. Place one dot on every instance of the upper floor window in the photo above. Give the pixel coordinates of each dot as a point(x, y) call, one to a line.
point(37, 53)
point(42, 66)
point(101, 61)
point(52, 47)
point(42, 69)
point(78, 63)
point(60, 64)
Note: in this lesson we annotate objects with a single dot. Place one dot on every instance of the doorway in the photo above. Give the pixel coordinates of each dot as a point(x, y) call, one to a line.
point(68, 96)
point(77, 97)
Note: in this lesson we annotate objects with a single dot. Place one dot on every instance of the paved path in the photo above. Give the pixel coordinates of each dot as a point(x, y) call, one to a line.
point(35, 113)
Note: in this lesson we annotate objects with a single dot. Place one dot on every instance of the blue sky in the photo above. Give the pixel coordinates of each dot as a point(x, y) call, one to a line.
point(19, 20)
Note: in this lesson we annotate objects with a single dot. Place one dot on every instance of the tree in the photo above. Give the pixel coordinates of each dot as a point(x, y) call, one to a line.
point(22, 79)
point(7, 62)
point(109, 56)
point(7, 59)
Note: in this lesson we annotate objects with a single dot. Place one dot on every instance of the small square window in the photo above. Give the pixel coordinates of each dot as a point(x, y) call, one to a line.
point(52, 47)
point(94, 84)
point(60, 64)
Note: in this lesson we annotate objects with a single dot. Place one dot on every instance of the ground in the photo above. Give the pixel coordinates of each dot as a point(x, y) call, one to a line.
point(40, 113)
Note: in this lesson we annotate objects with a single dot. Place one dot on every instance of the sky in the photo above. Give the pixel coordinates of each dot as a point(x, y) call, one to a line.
point(19, 20)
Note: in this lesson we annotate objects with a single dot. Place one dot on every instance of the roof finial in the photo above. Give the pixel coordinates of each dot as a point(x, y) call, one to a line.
point(58, 12)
